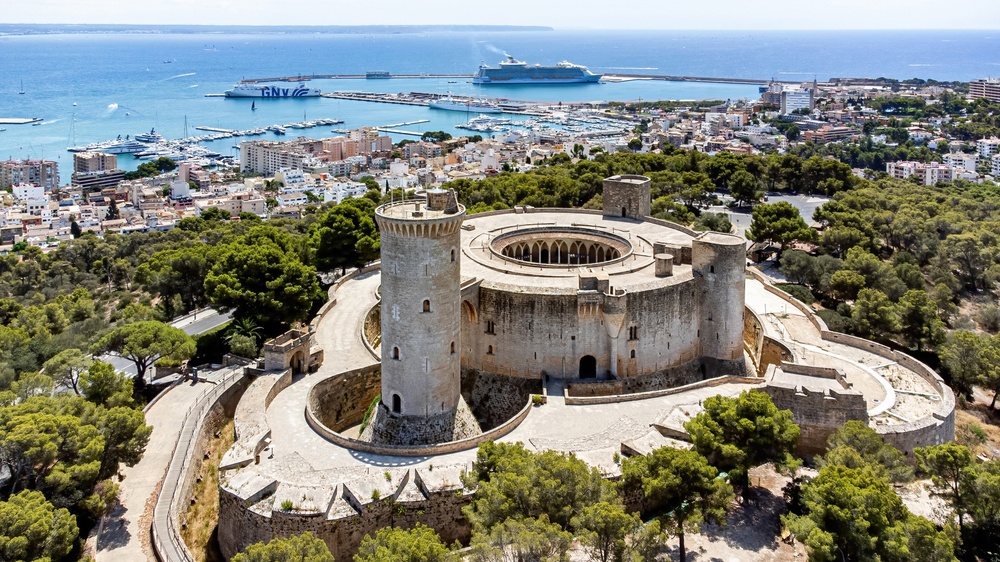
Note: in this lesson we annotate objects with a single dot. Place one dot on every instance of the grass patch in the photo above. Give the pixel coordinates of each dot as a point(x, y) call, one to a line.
point(368, 414)
point(203, 516)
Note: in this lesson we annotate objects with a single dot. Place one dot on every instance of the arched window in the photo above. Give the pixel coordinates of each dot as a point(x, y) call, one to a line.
point(489, 350)
point(395, 353)
point(453, 256)
point(397, 404)
point(427, 305)
point(453, 348)
point(632, 354)
point(624, 212)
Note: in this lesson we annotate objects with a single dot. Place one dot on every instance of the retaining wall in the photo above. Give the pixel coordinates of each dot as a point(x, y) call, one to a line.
point(416, 451)
point(346, 519)
point(179, 479)
point(583, 400)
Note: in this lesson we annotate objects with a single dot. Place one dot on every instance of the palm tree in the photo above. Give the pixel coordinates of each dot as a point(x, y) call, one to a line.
point(244, 327)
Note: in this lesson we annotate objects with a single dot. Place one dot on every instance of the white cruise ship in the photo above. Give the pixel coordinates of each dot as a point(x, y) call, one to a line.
point(265, 91)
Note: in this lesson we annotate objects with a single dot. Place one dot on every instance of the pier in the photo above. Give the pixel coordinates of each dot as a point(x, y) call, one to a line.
point(19, 120)
point(399, 131)
point(215, 129)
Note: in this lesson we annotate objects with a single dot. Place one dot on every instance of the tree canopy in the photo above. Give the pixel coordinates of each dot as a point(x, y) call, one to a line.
point(737, 434)
point(144, 343)
point(681, 484)
point(390, 544)
point(300, 548)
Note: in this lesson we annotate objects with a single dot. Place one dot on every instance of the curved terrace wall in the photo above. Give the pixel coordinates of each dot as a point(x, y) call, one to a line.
point(935, 429)
point(340, 402)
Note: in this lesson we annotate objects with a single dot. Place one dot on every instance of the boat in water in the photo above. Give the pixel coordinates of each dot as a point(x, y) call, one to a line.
point(150, 137)
point(468, 105)
point(513, 71)
point(265, 91)
point(486, 124)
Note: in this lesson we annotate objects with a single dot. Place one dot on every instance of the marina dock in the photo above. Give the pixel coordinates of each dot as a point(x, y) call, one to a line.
point(19, 120)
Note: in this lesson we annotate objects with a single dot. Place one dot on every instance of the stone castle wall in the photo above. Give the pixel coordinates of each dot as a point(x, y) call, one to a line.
point(559, 332)
point(817, 412)
point(347, 516)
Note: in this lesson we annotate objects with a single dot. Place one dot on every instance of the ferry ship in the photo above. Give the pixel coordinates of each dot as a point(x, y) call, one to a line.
point(265, 91)
point(469, 105)
point(513, 71)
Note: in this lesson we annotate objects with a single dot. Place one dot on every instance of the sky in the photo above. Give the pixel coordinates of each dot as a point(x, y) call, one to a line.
point(560, 14)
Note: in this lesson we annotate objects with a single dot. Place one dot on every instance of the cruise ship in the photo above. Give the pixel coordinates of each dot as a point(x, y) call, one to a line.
point(513, 71)
point(265, 91)
point(467, 105)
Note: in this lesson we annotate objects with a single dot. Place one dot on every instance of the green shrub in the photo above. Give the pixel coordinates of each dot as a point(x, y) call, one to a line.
point(800, 292)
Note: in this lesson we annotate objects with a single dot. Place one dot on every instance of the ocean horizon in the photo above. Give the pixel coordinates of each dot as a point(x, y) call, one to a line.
point(93, 86)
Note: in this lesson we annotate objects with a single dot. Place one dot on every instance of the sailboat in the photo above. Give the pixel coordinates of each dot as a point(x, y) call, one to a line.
point(253, 106)
point(21, 91)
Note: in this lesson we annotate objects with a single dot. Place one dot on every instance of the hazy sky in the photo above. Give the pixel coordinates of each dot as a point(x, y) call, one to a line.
point(627, 14)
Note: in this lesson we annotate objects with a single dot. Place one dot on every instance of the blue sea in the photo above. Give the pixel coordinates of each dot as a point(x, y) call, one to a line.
point(93, 87)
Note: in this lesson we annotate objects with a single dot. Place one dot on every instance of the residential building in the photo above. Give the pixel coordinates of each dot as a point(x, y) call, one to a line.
point(967, 162)
point(926, 174)
point(827, 134)
point(87, 162)
point(995, 168)
point(40, 172)
point(988, 147)
point(988, 88)
point(421, 149)
point(267, 157)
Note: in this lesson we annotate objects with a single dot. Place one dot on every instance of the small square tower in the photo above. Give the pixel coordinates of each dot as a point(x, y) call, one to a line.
point(627, 196)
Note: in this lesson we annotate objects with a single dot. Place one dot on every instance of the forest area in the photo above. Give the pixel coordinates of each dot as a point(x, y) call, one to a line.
point(913, 266)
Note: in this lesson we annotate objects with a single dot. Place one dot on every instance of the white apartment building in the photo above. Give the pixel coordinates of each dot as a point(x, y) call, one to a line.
point(927, 174)
point(292, 179)
point(988, 147)
point(28, 192)
point(796, 98)
point(988, 88)
point(995, 168)
point(967, 162)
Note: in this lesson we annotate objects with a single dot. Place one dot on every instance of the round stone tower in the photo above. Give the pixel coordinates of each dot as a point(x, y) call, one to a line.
point(627, 196)
point(718, 262)
point(421, 322)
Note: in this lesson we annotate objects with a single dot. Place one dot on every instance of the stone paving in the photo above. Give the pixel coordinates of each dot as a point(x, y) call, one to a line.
point(124, 535)
point(597, 428)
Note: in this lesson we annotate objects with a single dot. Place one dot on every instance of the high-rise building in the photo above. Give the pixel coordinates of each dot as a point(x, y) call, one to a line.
point(39, 172)
point(988, 88)
point(87, 162)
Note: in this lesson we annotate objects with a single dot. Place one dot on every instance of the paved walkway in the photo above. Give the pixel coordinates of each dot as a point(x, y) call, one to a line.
point(124, 536)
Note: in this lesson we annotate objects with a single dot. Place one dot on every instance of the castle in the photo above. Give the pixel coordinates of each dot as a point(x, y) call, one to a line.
point(550, 294)
point(619, 323)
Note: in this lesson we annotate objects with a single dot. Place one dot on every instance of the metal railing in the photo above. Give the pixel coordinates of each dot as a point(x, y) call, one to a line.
point(167, 542)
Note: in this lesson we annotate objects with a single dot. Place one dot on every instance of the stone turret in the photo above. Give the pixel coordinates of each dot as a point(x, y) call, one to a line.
point(718, 262)
point(421, 338)
point(627, 196)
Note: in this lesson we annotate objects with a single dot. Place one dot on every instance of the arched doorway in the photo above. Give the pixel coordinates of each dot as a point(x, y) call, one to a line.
point(297, 363)
point(397, 404)
point(588, 367)
point(624, 212)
